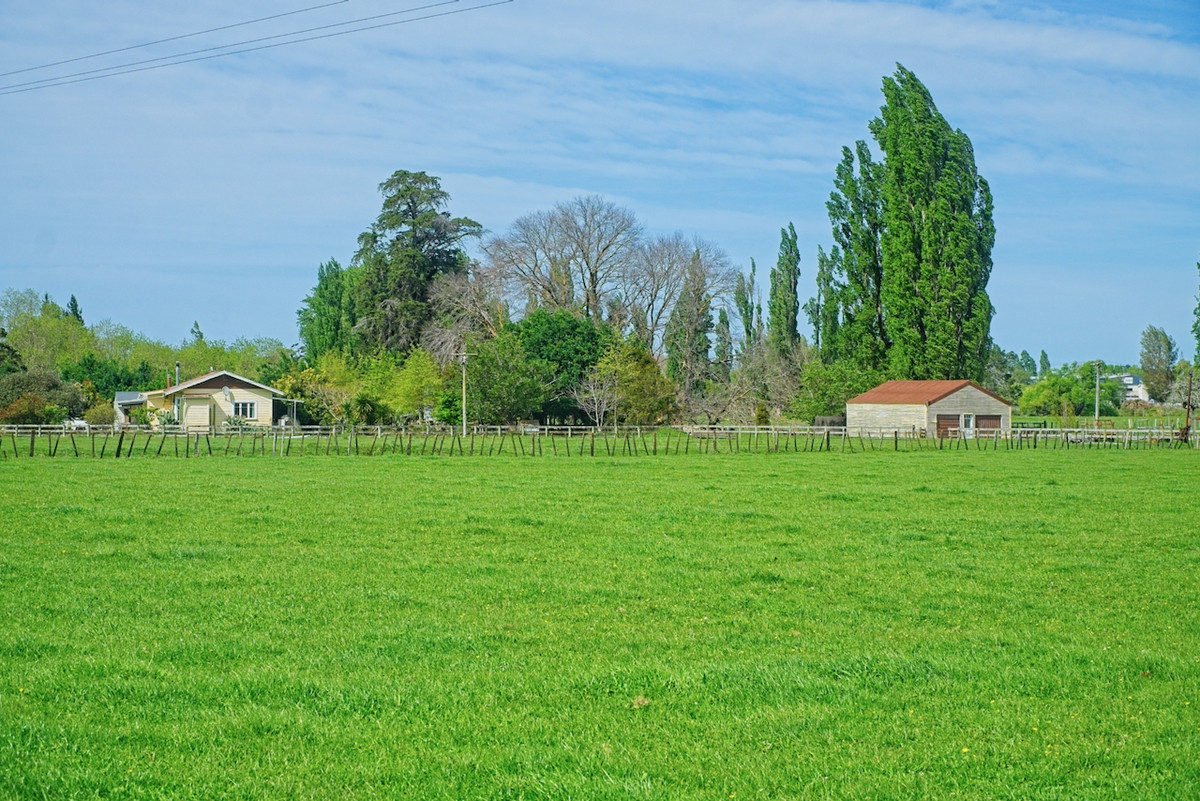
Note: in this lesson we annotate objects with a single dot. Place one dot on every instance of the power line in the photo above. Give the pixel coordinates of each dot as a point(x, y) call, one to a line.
point(121, 69)
point(109, 72)
point(173, 38)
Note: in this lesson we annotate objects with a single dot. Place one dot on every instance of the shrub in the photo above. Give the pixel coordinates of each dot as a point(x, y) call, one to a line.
point(104, 415)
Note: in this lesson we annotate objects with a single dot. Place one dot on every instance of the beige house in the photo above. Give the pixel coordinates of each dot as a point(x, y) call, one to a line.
point(934, 407)
point(204, 403)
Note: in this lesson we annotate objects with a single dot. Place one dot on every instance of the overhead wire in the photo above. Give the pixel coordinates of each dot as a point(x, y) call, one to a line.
point(121, 69)
point(133, 67)
point(173, 38)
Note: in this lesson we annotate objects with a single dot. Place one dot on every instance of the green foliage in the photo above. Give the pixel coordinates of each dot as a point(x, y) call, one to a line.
point(31, 409)
point(687, 335)
point(1196, 323)
point(723, 348)
point(1070, 393)
point(936, 240)
point(10, 359)
point(74, 311)
point(108, 376)
point(1007, 374)
point(643, 395)
point(1158, 362)
point(420, 384)
point(412, 242)
point(848, 313)
point(825, 388)
point(503, 384)
point(106, 415)
point(31, 392)
point(569, 346)
point(749, 309)
point(782, 302)
point(1044, 368)
point(326, 318)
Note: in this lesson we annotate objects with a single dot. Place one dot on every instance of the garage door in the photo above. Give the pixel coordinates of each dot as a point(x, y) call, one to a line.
point(946, 423)
point(991, 421)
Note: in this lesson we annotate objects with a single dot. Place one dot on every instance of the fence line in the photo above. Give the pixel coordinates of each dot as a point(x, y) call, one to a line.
point(559, 441)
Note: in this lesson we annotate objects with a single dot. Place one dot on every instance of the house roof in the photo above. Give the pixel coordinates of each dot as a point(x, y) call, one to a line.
point(208, 377)
point(907, 393)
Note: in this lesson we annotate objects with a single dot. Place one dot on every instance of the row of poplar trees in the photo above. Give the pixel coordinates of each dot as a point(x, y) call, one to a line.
point(903, 291)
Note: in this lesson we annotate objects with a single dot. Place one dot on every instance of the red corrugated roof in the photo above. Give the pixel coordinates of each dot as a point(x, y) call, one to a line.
point(923, 392)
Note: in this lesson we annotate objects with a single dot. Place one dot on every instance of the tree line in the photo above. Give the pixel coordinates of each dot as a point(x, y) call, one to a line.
point(577, 314)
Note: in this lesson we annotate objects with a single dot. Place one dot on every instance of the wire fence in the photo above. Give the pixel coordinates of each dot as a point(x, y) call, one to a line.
point(561, 441)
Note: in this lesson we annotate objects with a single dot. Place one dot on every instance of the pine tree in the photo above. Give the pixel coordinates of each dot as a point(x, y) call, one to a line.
point(1043, 366)
point(74, 311)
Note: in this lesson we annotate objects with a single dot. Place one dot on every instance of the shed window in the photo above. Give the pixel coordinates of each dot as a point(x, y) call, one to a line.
point(246, 409)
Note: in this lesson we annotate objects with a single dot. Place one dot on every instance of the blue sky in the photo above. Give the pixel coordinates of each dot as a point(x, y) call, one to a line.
point(211, 191)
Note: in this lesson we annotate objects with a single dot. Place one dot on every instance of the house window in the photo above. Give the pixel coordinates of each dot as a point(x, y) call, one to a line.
point(245, 409)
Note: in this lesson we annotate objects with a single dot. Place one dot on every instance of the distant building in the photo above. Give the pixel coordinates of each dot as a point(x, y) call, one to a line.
point(1135, 390)
point(940, 407)
point(204, 402)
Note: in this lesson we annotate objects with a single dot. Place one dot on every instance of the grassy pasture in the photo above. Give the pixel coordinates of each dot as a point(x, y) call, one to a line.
point(878, 625)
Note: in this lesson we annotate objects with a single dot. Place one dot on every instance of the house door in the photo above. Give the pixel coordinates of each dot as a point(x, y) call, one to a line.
point(946, 423)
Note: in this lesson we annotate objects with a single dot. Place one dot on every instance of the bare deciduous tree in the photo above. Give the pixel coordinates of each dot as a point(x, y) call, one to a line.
point(464, 305)
point(570, 257)
point(597, 395)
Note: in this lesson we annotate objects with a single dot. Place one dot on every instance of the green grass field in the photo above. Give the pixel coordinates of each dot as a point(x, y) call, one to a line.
point(878, 625)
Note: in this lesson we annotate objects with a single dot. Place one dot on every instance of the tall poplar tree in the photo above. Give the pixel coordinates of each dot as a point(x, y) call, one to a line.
point(782, 303)
point(1196, 323)
point(936, 239)
point(856, 322)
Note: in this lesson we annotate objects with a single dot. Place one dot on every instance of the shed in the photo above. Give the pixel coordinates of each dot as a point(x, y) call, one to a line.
point(929, 406)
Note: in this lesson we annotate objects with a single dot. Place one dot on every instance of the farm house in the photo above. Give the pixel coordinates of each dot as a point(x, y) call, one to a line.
point(205, 402)
point(929, 406)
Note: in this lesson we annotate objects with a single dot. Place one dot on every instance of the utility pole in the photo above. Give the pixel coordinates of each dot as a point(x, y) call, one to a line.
point(1097, 415)
point(1185, 435)
point(462, 357)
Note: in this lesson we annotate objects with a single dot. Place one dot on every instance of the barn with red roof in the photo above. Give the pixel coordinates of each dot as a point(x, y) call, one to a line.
point(935, 407)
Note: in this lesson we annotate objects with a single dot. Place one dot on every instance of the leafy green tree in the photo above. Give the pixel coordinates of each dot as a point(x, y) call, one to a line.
point(1158, 361)
point(10, 359)
point(50, 338)
point(570, 346)
point(936, 240)
point(1007, 375)
point(643, 395)
point(503, 384)
point(1196, 323)
point(851, 321)
point(1072, 393)
point(108, 376)
point(39, 389)
point(687, 335)
point(1044, 368)
point(782, 302)
point(1027, 363)
point(420, 384)
point(749, 309)
point(326, 317)
point(825, 388)
point(412, 242)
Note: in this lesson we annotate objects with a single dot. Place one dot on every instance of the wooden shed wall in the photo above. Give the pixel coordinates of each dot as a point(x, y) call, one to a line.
point(970, 400)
